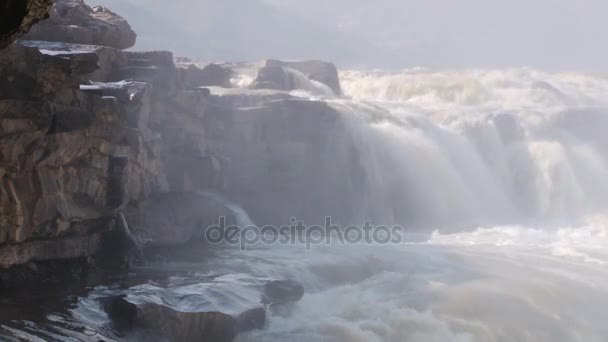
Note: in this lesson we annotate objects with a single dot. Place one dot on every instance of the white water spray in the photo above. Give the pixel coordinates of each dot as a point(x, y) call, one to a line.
point(517, 156)
point(482, 147)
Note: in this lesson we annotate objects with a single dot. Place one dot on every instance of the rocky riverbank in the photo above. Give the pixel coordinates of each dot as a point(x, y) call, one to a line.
point(103, 150)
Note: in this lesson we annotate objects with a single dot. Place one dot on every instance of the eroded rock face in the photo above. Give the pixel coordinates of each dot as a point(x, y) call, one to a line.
point(48, 128)
point(73, 21)
point(306, 75)
point(79, 144)
point(88, 132)
point(17, 16)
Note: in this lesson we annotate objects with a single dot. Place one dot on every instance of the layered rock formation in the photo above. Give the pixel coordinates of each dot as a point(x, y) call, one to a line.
point(102, 150)
point(76, 152)
point(91, 132)
point(306, 75)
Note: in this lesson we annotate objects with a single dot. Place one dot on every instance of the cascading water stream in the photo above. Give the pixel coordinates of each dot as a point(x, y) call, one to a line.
point(481, 147)
point(508, 166)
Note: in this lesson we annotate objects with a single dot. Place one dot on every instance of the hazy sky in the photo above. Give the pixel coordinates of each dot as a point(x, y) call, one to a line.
point(550, 34)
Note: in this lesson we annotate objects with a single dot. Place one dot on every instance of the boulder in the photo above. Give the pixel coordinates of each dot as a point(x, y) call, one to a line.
point(215, 310)
point(78, 142)
point(211, 75)
point(17, 16)
point(72, 21)
point(282, 291)
point(304, 75)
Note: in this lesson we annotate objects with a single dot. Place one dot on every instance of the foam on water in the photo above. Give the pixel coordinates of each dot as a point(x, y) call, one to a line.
point(521, 153)
point(481, 146)
point(482, 89)
point(494, 284)
point(586, 243)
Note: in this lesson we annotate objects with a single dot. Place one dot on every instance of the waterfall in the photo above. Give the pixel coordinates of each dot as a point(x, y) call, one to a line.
point(132, 239)
point(239, 214)
point(310, 86)
point(480, 147)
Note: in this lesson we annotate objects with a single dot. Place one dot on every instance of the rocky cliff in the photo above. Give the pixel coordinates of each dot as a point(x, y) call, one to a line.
point(91, 134)
point(107, 154)
point(87, 131)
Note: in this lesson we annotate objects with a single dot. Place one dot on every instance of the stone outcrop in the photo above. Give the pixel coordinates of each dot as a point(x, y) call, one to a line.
point(73, 21)
point(301, 158)
point(282, 291)
point(216, 309)
point(89, 133)
point(75, 152)
point(18, 16)
point(49, 128)
point(103, 150)
point(211, 75)
point(279, 75)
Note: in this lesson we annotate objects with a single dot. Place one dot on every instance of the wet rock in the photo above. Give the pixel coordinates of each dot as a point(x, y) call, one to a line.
point(86, 131)
point(282, 291)
point(216, 310)
point(17, 16)
point(279, 75)
point(73, 21)
point(68, 153)
point(210, 75)
point(35, 73)
point(103, 61)
point(213, 311)
point(275, 77)
point(89, 131)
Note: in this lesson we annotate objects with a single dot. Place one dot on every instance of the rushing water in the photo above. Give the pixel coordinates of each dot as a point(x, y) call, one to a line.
point(507, 168)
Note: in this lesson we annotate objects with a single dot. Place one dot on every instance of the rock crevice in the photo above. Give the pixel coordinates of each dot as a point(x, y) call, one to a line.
point(18, 16)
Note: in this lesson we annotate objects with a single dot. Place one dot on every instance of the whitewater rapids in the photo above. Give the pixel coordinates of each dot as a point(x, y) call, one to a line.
point(509, 168)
